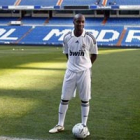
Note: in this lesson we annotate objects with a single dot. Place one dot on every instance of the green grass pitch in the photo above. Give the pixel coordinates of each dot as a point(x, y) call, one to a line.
point(30, 88)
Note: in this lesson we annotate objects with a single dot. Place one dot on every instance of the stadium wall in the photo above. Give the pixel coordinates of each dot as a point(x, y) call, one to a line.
point(53, 35)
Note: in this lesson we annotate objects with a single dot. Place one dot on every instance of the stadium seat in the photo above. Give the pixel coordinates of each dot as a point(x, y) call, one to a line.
point(39, 2)
point(123, 21)
point(7, 20)
point(78, 2)
point(124, 2)
point(34, 20)
point(7, 2)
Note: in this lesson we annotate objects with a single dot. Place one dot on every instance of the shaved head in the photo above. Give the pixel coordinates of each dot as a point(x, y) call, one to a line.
point(77, 16)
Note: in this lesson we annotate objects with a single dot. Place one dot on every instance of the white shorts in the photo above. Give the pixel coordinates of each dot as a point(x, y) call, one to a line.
point(80, 81)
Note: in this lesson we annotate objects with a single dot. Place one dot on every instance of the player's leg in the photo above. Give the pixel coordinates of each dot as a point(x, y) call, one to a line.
point(62, 112)
point(61, 117)
point(84, 86)
point(84, 112)
point(68, 89)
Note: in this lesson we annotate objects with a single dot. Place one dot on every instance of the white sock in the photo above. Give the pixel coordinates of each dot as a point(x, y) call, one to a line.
point(85, 112)
point(62, 112)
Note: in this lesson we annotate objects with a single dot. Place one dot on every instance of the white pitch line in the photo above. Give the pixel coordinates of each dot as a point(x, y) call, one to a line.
point(10, 138)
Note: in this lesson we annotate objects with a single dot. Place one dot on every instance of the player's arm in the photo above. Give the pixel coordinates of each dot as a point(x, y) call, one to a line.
point(65, 44)
point(93, 48)
point(67, 56)
point(93, 57)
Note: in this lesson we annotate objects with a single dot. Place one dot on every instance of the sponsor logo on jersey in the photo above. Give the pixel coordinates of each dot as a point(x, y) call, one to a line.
point(79, 53)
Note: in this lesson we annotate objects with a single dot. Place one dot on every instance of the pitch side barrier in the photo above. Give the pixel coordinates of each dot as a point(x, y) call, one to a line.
point(53, 35)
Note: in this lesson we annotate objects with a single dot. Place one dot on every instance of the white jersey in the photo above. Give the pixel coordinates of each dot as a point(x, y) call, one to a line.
point(79, 50)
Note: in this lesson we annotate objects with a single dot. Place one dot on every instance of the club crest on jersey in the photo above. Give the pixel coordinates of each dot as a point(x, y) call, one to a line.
point(79, 53)
point(83, 46)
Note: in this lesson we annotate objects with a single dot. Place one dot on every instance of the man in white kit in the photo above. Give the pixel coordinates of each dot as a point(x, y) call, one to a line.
point(81, 50)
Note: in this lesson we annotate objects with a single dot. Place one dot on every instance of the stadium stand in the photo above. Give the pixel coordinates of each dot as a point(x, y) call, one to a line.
point(123, 2)
point(7, 2)
point(78, 2)
point(133, 40)
point(123, 21)
point(39, 2)
point(67, 21)
point(60, 21)
point(39, 22)
point(94, 21)
point(7, 20)
point(68, 2)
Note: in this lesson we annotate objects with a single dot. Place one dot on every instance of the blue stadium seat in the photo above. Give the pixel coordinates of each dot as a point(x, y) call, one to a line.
point(53, 35)
point(93, 21)
point(124, 2)
point(78, 2)
point(123, 21)
point(34, 20)
point(7, 20)
point(7, 2)
point(69, 21)
point(60, 21)
point(68, 2)
point(39, 2)
point(134, 39)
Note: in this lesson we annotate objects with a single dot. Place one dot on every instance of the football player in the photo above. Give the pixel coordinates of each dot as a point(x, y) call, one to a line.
point(80, 48)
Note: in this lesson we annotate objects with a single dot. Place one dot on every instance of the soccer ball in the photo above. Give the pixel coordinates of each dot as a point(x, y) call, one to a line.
point(80, 131)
